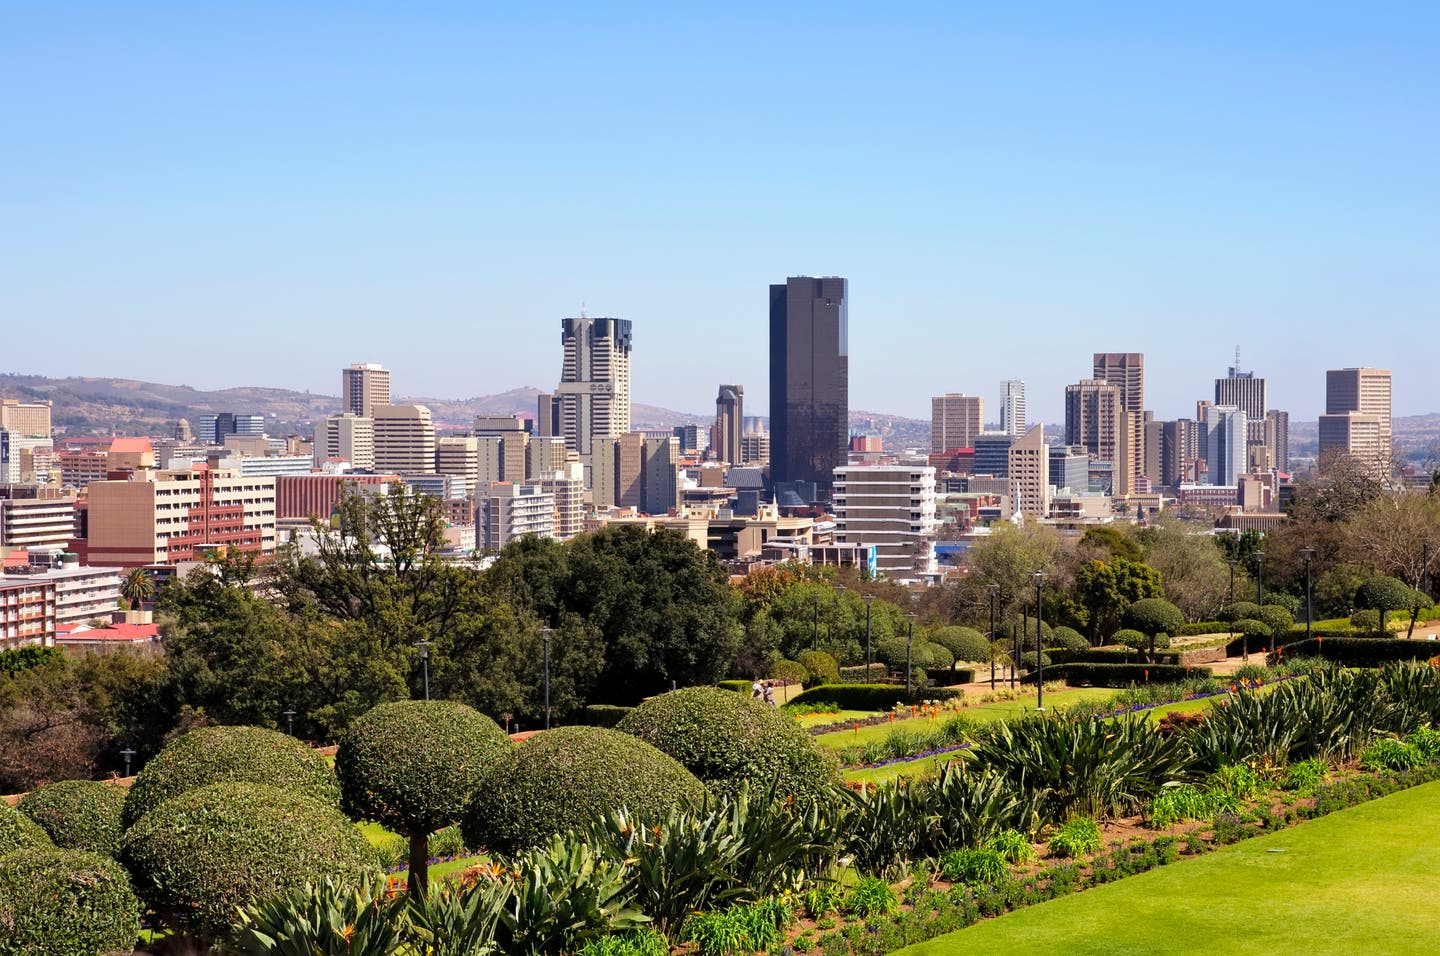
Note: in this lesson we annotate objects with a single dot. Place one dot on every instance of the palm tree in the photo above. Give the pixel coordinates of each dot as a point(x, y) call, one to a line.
point(137, 588)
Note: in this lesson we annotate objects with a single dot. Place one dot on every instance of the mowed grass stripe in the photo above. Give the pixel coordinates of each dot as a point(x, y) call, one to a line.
point(1363, 880)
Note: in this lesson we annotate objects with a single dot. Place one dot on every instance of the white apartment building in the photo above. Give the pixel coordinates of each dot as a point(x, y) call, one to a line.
point(513, 510)
point(891, 507)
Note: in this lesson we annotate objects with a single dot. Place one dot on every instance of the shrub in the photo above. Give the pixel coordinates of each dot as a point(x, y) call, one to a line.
point(963, 643)
point(859, 674)
point(1305, 775)
point(1390, 754)
point(1154, 616)
point(869, 898)
point(198, 857)
point(1028, 661)
point(1012, 845)
point(1253, 629)
point(229, 755)
point(1427, 742)
point(1277, 619)
point(789, 671)
point(936, 656)
point(1069, 639)
point(745, 687)
point(973, 866)
point(1079, 836)
point(728, 741)
point(78, 814)
point(411, 765)
point(1174, 804)
point(1202, 627)
point(603, 715)
point(19, 832)
point(1130, 637)
point(1362, 651)
point(325, 920)
point(559, 779)
point(1241, 610)
point(866, 696)
point(639, 942)
point(1365, 620)
point(63, 902)
point(820, 667)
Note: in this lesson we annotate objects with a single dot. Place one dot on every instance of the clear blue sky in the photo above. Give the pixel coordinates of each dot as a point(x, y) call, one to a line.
point(227, 194)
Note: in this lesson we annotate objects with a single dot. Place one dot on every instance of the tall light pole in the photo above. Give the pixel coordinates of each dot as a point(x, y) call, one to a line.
point(1425, 567)
point(290, 722)
point(1039, 645)
point(909, 644)
point(869, 599)
point(1230, 613)
point(839, 606)
point(1260, 589)
point(425, 663)
point(815, 638)
point(992, 589)
point(545, 635)
point(1308, 553)
point(1015, 659)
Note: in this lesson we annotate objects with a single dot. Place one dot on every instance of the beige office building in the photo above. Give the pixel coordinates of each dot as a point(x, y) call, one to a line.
point(26, 419)
point(955, 420)
point(729, 424)
point(1126, 371)
point(567, 486)
point(37, 523)
point(363, 388)
point(1363, 394)
point(1092, 418)
point(459, 456)
point(404, 440)
point(618, 475)
point(348, 437)
point(1030, 473)
point(161, 517)
point(547, 455)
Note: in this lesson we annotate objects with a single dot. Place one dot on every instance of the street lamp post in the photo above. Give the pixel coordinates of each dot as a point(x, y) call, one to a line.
point(869, 598)
point(1309, 612)
point(1230, 613)
point(992, 589)
point(839, 607)
point(815, 638)
point(290, 722)
point(425, 663)
point(127, 753)
point(1039, 645)
point(1260, 589)
point(1015, 655)
point(545, 634)
point(909, 644)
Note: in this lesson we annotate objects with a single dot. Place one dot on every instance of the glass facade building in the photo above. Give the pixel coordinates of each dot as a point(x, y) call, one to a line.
point(809, 381)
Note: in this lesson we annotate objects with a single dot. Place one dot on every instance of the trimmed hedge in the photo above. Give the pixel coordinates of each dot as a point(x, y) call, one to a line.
point(604, 715)
point(78, 814)
point(1109, 654)
point(737, 686)
point(561, 778)
point(1118, 675)
point(790, 671)
point(857, 675)
point(1203, 627)
point(412, 764)
point(229, 754)
point(19, 832)
point(950, 676)
point(869, 696)
point(963, 643)
point(1068, 639)
point(821, 667)
point(1364, 651)
point(67, 902)
point(199, 856)
point(728, 741)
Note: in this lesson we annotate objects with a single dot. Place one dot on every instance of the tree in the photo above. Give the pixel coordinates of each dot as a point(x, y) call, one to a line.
point(1105, 589)
point(137, 587)
point(1196, 577)
point(1384, 594)
point(1103, 542)
point(1153, 617)
point(1009, 557)
point(1396, 535)
point(412, 765)
point(1278, 619)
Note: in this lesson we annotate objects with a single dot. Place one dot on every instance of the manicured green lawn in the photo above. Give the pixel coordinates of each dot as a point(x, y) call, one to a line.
point(1000, 710)
point(1359, 881)
point(894, 771)
point(815, 720)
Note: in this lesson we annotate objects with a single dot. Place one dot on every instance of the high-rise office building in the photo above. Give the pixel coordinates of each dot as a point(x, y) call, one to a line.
point(404, 440)
point(809, 380)
point(1363, 393)
point(1244, 391)
point(460, 457)
point(660, 490)
point(1069, 468)
point(619, 472)
point(594, 389)
point(1030, 474)
point(1126, 371)
point(891, 507)
point(1225, 444)
point(955, 420)
point(1277, 436)
point(349, 437)
point(1092, 417)
point(992, 454)
point(513, 433)
point(1012, 407)
point(26, 419)
point(729, 424)
point(363, 387)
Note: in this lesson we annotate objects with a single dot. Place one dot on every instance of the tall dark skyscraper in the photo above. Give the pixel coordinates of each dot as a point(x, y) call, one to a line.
point(809, 380)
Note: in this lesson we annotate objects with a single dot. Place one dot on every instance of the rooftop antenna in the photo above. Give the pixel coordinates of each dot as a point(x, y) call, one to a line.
point(582, 314)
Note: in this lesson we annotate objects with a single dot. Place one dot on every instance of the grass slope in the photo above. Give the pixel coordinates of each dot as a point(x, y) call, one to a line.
point(1358, 881)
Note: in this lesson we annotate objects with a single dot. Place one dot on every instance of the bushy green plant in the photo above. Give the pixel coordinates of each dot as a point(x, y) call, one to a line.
point(1241, 610)
point(78, 814)
point(789, 671)
point(866, 696)
point(603, 715)
point(1012, 845)
point(1427, 741)
point(1239, 780)
point(639, 942)
point(720, 933)
point(1079, 836)
point(1130, 637)
point(820, 899)
point(19, 832)
point(210, 755)
point(567, 894)
point(1175, 804)
point(64, 902)
point(937, 656)
point(324, 919)
point(197, 857)
point(562, 778)
point(1389, 754)
point(820, 667)
point(412, 765)
point(1304, 776)
point(458, 920)
point(730, 741)
point(963, 643)
point(1069, 639)
point(1277, 619)
point(1030, 662)
point(870, 898)
point(973, 866)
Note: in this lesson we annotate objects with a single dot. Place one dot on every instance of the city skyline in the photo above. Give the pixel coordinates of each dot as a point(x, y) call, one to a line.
point(1009, 187)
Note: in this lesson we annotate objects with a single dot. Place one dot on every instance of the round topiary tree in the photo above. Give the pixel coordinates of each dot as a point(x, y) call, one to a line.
point(729, 741)
point(1130, 637)
point(219, 754)
point(963, 643)
point(1240, 611)
point(411, 765)
point(19, 832)
point(1153, 617)
point(789, 671)
point(1069, 638)
point(199, 856)
point(1278, 619)
point(1029, 661)
point(78, 814)
point(820, 666)
point(1252, 630)
point(561, 778)
point(65, 901)
point(938, 657)
point(1384, 594)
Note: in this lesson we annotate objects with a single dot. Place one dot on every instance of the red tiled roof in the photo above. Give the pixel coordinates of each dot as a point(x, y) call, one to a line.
point(115, 632)
point(131, 445)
